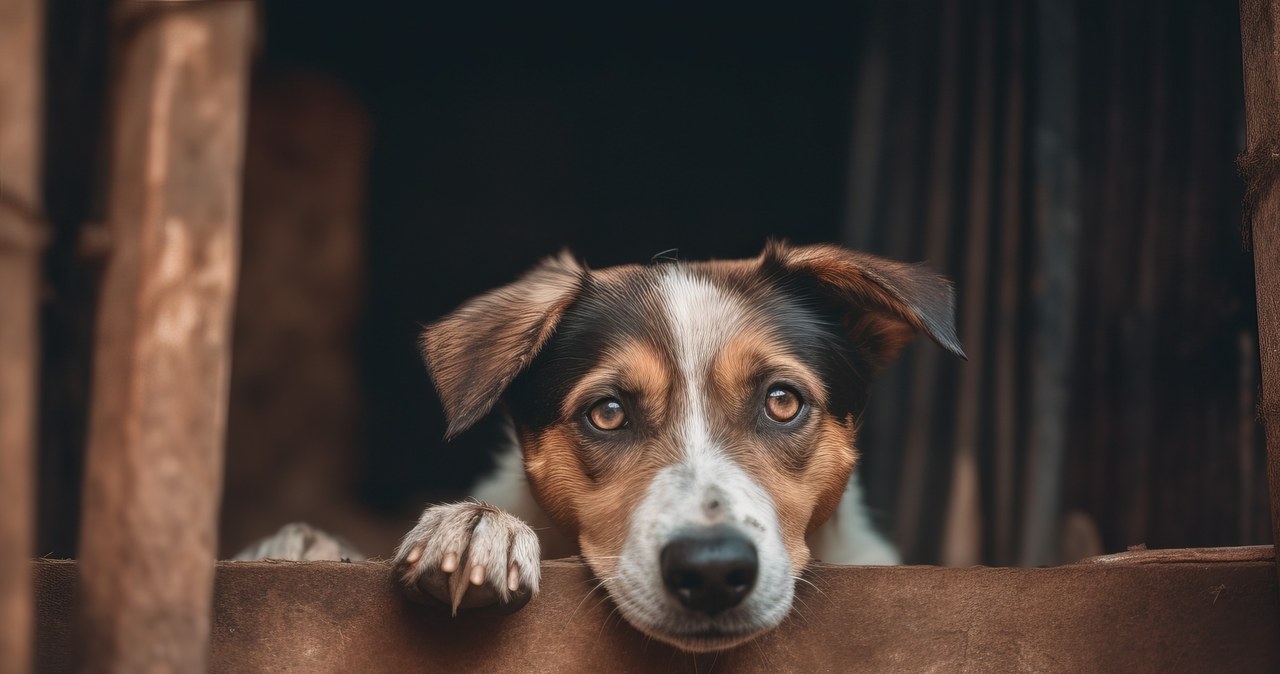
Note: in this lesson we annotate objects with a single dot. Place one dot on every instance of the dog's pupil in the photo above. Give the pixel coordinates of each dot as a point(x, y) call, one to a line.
point(782, 404)
point(608, 414)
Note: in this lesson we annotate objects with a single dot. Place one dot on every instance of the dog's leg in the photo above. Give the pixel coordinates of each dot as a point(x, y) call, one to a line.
point(507, 487)
point(467, 555)
point(849, 537)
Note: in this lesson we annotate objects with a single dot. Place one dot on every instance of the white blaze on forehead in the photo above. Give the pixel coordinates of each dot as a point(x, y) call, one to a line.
point(702, 318)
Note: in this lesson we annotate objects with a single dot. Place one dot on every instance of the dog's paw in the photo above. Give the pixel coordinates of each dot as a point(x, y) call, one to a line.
point(469, 555)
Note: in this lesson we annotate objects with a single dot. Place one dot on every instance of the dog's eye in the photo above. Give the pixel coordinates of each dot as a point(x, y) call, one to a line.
point(782, 404)
point(607, 415)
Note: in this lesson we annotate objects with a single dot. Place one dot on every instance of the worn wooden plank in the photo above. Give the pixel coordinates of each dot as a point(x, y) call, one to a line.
point(1008, 441)
point(22, 235)
point(912, 508)
point(154, 459)
point(888, 223)
point(962, 538)
point(1183, 612)
point(1260, 40)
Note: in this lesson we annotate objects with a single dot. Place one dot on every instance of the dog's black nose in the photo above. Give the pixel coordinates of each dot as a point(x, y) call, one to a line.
point(709, 569)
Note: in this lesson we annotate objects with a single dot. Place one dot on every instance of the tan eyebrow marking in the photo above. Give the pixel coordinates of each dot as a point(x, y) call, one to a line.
point(750, 352)
point(636, 368)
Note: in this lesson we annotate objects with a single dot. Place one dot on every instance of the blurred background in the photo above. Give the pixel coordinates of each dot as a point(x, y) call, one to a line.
point(1069, 164)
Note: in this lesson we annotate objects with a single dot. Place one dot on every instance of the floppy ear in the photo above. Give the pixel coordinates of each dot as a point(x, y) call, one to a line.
point(475, 352)
point(884, 302)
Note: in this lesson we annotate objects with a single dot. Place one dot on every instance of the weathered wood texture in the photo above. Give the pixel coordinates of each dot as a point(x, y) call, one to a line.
point(1068, 164)
point(292, 430)
point(1260, 166)
point(1183, 612)
point(154, 462)
point(22, 235)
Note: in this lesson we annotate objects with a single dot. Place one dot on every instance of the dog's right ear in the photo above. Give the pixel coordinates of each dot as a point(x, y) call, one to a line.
point(475, 352)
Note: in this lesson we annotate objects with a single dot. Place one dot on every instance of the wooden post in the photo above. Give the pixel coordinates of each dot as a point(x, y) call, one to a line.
point(22, 235)
point(1260, 166)
point(154, 461)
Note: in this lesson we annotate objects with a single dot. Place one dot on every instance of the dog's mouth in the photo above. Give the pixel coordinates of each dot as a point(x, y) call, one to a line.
point(664, 620)
point(702, 636)
point(708, 640)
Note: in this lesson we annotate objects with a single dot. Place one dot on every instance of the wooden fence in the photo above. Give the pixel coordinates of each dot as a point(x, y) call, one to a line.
point(146, 593)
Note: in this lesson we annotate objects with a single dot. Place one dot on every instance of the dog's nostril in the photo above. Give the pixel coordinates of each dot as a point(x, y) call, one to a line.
point(740, 578)
point(709, 569)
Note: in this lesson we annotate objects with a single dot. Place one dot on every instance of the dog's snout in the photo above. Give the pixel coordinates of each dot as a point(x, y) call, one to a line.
point(709, 570)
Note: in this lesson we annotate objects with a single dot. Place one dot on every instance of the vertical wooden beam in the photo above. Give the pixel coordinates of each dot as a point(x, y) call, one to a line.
point(22, 236)
point(1007, 442)
point(154, 462)
point(1057, 223)
point(1260, 166)
point(919, 440)
point(963, 535)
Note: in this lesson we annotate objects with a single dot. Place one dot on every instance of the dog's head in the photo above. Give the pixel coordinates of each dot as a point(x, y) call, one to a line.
point(689, 422)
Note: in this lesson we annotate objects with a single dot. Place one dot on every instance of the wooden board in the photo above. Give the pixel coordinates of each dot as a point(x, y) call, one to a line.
point(1162, 611)
point(22, 236)
point(162, 356)
point(1260, 166)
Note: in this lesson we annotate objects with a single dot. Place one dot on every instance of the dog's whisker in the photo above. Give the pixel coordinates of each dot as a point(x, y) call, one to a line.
point(811, 584)
point(587, 596)
point(605, 622)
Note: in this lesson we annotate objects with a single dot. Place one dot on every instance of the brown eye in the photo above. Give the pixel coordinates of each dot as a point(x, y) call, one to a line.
point(607, 415)
point(782, 404)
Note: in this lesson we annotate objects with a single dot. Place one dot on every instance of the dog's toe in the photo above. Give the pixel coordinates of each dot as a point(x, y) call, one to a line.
point(468, 555)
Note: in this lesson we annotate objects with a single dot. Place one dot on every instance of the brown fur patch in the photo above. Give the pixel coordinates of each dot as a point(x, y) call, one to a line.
point(634, 370)
point(755, 354)
point(804, 470)
point(475, 352)
point(908, 295)
point(597, 512)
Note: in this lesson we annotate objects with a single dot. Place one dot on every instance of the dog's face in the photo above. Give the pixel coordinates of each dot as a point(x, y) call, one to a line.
point(690, 422)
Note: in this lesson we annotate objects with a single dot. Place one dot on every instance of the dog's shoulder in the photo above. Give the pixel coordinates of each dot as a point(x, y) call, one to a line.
point(850, 537)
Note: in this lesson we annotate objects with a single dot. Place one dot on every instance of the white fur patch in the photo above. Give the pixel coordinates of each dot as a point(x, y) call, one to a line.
point(849, 537)
point(706, 487)
point(702, 319)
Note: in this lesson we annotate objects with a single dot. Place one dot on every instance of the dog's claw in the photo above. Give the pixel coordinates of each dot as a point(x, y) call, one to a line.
point(513, 578)
point(414, 555)
point(456, 553)
point(457, 590)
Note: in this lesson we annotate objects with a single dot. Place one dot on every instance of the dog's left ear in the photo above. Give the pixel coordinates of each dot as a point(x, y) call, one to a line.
point(885, 303)
point(475, 352)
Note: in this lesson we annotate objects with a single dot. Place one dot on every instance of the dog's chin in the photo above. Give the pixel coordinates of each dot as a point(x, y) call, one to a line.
point(705, 637)
point(707, 641)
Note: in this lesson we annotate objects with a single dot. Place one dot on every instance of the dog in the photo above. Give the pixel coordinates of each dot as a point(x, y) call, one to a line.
point(689, 428)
